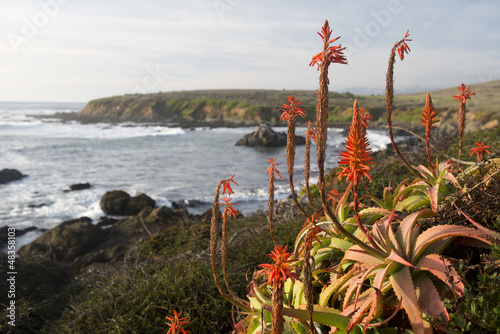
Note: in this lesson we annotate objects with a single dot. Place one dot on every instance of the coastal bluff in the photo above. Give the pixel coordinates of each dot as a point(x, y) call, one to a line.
point(190, 108)
point(251, 107)
point(214, 108)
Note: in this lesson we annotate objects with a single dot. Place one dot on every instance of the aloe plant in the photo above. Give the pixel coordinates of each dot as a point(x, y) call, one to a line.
point(355, 265)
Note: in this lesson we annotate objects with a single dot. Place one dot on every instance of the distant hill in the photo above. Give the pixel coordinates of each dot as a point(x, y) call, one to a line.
point(250, 107)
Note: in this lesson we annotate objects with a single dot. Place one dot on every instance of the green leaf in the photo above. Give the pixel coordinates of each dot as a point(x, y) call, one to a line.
point(323, 315)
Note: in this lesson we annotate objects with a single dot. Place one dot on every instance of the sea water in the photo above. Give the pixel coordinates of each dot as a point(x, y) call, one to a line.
point(169, 164)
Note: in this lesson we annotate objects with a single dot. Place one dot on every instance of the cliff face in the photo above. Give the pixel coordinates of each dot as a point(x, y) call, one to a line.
point(164, 108)
point(250, 107)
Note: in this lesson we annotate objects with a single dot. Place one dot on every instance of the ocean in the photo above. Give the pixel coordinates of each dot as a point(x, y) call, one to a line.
point(169, 164)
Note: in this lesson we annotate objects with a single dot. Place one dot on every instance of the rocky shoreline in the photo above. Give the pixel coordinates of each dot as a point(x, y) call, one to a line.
point(128, 221)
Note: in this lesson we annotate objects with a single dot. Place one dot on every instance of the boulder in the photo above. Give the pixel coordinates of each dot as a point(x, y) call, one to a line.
point(67, 241)
point(138, 203)
point(10, 175)
point(120, 203)
point(115, 202)
point(265, 136)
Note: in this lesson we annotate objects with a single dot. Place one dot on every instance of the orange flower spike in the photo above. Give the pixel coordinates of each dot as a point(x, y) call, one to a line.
point(176, 323)
point(310, 131)
point(465, 93)
point(292, 109)
point(403, 47)
point(228, 210)
point(278, 272)
point(357, 157)
point(480, 150)
point(226, 184)
point(429, 118)
point(330, 54)
point(272, 169)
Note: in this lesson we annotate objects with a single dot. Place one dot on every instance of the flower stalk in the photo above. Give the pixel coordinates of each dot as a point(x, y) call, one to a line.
point(272, 171)
point(290, 113)
point(401, 47)
point(464, 95)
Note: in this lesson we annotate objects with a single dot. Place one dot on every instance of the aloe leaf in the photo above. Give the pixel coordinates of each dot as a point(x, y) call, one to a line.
point(435, 233)
point(356, 253)
point(403, 233)
point(395, 257)
point(426, 173)
point(323, 315)
point(298, 294)
point(298, 327)
point(442, 269)
point(411, 202)
point(333, 290)
point(433, 197)
point(340, 244)
point(429, 298)
point(404, 289)
point(487, 231)
point(388, 198)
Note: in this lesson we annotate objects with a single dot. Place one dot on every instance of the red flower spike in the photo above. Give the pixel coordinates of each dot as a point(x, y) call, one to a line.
point(330, 54)
point(226, 201)
point(292, 109)
point(403, 47)
point(176, 323)
point(465, 93)
point(273, 168)
point(226, 185)
point(357, 157)
point(429, 116)
point(278, 272)
point(310, 131)
point(480, 150)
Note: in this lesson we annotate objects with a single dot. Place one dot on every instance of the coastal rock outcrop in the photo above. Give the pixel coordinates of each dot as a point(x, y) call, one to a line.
point(81, 243)
point(120, 203)
point(67, 241)
point(265, 136)
point(10, 175)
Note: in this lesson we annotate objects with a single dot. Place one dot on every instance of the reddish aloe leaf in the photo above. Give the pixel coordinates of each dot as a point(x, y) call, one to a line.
point(376, 304)
point(436, 233)
point(402, 284)
point(403, 233)
point(433, 196)
point(358, 315)
point(355, 253)
point(429, 298)
point(489, 232)
point(442, 269)
point(395, 257)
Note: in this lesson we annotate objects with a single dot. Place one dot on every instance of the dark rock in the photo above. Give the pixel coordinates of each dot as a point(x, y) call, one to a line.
point(67, 241)
point(265, 136)
point(106, 221)
point(36, 206)
point(119, 203)
point(138, 203)
point(115, 202)
point(10, 175)
point(79, 186)
point(4, 233)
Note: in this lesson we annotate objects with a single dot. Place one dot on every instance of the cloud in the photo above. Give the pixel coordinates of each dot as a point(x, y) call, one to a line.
point(92, 49)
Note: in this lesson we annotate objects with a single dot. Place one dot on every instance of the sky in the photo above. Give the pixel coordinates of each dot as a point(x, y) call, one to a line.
point(79, 50)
